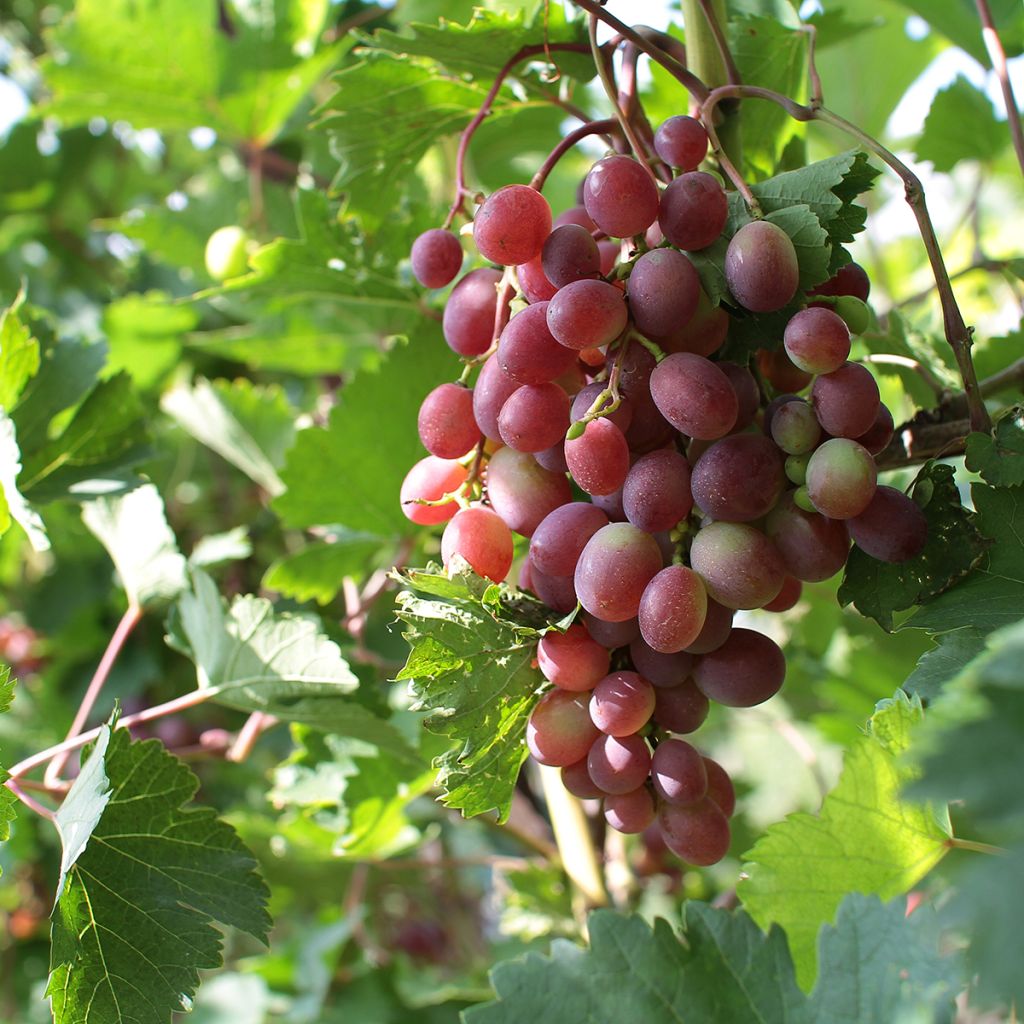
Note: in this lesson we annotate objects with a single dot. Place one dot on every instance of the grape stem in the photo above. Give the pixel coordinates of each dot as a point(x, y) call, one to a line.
point(714, 26)
point(602, 127)
point(956, 843)
point(924, 372)
point(997, 55)
point(130, 619)
point(458, 204)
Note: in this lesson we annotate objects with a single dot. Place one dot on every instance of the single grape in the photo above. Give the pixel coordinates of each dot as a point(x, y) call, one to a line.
point(511, 225)
point(681, 141)
point(855, 313)
point(678, 772)
point(429, 479)
point(663, 291)
point(226, 253)
point(761, 267)
point(780, 371)
point(586, 397)
point(436, 258)
point(598, 459)
point(817, 340)
point(576, 779)
point(614, 569)
point(557, 592)
point(620, 196)
point(534, 417)
point(697, 833)
point(739, 478)
point(772, 408)
point(787, 597)
point(717, 625)
point(575, 215)
point(562, 535)
point(656, 495)
point(533, 282)
point(521, 491)
point(618, 764)
point(694, 396)
point(681, 708)
point(795, 428)
point(468, 319)
point(480, 536)
point(560, 731)
point(704, 333)
point(812, 547)
point(693, 211)
point(746, 670)
point(877, 437)
point(611, 505)
point(796, 468)
point(570, 254)
point(622, 703)
point(747, 395)
point(587, 314)
point(612, 634)
point(528, 351)
point(740, 566)
point(672, 609)
point(660, 670)
point(492, 390)
point(850, 279)
point(720, 788)
point(629, 812)
point(572, 660)
point(445, 422)
point(846, 400)
point(892, 528)
point(841, 478)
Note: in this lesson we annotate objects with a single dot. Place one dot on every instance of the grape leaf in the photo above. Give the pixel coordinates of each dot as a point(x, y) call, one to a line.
point(972, 737)
point(253, 659)
point(723, 969)
point(866, 838)
point(351, 472)
point(12, 502)
point(877, 964)
point(19, 354)
point(106, 435)
point(250, 426)
point(993, 594)
point(133, 528)
point(483, 46)
point(959, 23)
point(316, 571)
point(952, 651)
point(145, 878)
point(144, 334)
point(8, 801)
point(353, 790)
point(957, 104)
point(999, 457)
point(471, 668)
point(954, 547)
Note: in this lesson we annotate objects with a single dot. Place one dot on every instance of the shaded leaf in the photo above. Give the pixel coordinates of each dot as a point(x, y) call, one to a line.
point(999, 457)
point(866, 838)
point(954, 547)
point(952, 651)
point(943, 140)
point(132, 926)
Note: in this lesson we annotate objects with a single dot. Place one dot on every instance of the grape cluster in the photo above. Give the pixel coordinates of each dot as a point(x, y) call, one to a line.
point(659, 487)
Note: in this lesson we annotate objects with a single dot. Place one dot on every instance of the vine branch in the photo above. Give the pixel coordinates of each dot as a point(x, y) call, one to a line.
point(997, 55)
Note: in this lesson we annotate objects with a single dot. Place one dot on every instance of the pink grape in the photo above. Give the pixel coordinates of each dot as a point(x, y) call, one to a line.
point(663, 291)
point(559, 540)
point(572, 660)
point(511, 225)
point(812, 547)
point(528, 351)
point(534, 417)
point(656, 494)
point(436, 258)
point(817, 340)
point(739, 478)
point(468, 319)
point(672, 609)
point(481, 537)
point(576, 779)
point(521, 491)
point(720, 787)
point(694, 396)
point(620, 196)
point(570, 254)
point(681, 708)
point(841, 478)
point(599, 458)
point(618, 764)
point(587, 314)
point(622, 703)
point(681, 141)
point(533, 281)
point(445, 423)
point(429, 479)
point(846, 400)
point(660, 670)
point(740, 566)
point(761, 267)
point(629, 812)
point(560, 731)
point(614, 569)
point(717, 625)
point(678, 772)
point(694, 209)
point(612, 634)
point(696, 833)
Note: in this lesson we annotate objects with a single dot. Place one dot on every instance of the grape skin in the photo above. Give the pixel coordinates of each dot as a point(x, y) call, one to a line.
point(436, 258)
point(746, 670)
point(672, 609)
point(533, 281)
point(612, 634)
point(678, 772)
point(557, 592)
point(812, 547)
point(740, 566)
point(720, 787)
point(570, 254)
point(534, 417)
point(656, 493)
point(528, 351)
point(795, 428)
point(511, 225)
point(663, 291)
point(660, 670)
point(576, 779)
point(697, 833)
point(599, 458)
point(681, 708)
point(681, 141)
point(694, 209)
point(587, 314)
point(846, 401)
point(481, 537)
point(429, 479)
point(560, 731)
point(622, 703)
point(614, 569)
point(817, 340)
point(717, 624)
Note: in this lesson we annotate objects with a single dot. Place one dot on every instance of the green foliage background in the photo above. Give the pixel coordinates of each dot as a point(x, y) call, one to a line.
point(226, 457)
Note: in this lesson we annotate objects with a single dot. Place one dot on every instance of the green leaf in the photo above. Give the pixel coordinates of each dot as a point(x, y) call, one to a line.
point(351, 472)
point(952, 651)
point(954, 547)
point(250, 426)
point(993, 594)
point(106, 435)
point(133, 528)
point(8, 801)
point(876, 964)
point(810, 241)
point(722, 970)
point(353, 790)
point(865, 839)
point(943, 141)
point(972, 737)
point(471, 668)
point(316, 572)
point(250, 658)
point(999, 457)
point(144, 334)
point(146, 878)
point(19, 354)
point(957, 20)
point(12, 502)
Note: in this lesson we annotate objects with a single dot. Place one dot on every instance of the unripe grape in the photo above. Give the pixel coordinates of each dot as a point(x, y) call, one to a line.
point(226, 252)
point(841, 478)
point(855, 313)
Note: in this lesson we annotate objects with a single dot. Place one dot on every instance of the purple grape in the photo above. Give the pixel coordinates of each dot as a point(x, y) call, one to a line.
point(629, 812)
point(511, 225)
point(747, 395)
point(850, 279)
point(527, 350)
point(720, 788)
point(846, 400)
point(612, 634)
point(812, 547)
point(533, 281)
point(436, 258)
point(892, 528)
point(660, 670)
point(492, 391)
point(787, 597)
point(746, 670)
point(761, 267)
point(681, 708)
point(534, 417)
point(678, 772)
point(586, 397)
point(672, 609)
point(663, 291)
point(576, 779)
point(694, 396)
point(587, 314)
point(693, 211)
point(570, 254)
point(560, 538)
point(739, 478)
point(697, 833)
point(656, 495)
point(618, 764)
point(717, 626)
point(614, 569)
point(557, 592)
point(681, 141)
point(877, 437)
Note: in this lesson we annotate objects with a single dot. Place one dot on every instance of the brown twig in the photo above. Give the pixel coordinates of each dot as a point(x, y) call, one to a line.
point(30, 801)
point(917, 442)
point(255, 725)
point(997, 55)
